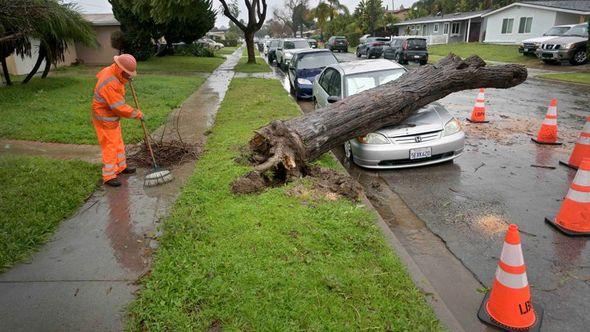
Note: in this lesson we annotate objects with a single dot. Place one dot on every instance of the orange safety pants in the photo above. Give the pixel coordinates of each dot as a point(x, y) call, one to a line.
point(112, 147)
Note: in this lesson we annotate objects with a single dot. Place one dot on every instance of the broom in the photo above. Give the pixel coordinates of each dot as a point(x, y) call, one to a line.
point(158, 175)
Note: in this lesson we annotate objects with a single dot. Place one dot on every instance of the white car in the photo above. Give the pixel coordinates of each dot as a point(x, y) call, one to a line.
point(429, 136)
point(210, 43)
point(287, 47)
point(530, 46)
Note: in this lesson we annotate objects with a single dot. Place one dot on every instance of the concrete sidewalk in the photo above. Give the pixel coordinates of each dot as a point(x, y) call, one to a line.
point(83, 278)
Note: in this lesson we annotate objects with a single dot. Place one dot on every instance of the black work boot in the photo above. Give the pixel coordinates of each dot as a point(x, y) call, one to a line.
point(128, 170)
point(113, 182)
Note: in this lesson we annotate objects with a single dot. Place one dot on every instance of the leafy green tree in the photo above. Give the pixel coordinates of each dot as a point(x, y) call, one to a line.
point(321, 13)
point(369, 15)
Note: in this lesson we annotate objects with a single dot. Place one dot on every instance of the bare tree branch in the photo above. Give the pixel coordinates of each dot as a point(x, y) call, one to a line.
point(229, 15)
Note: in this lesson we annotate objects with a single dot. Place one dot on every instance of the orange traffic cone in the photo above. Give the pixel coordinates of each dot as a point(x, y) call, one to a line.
point(548, 132)
point(581, 149)
point(478, 114)
point(508, 305)
point(574, 216)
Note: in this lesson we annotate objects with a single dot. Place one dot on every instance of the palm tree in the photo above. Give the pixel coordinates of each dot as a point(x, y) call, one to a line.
point(336, 8)
point(321, 14)
point(65, 26)
point(52, 23)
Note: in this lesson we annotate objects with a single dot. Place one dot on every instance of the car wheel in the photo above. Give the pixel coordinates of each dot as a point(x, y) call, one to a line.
point(347, 150)
point(580, 57)
point(550, 62)
point(358, 54)
point(422, 63)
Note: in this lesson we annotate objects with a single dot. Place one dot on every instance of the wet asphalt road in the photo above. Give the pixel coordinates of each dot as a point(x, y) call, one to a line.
point(469, 203)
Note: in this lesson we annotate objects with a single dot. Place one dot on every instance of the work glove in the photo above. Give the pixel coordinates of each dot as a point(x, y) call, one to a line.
point(140, 115)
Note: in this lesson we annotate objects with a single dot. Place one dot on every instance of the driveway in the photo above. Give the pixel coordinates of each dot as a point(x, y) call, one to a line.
point(468, 203)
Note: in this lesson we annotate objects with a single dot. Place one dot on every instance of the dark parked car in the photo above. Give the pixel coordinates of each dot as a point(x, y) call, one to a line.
point(272, 50)
point(338, 43)
point(571, 46)
point(304, 67)
point(371, 47)
point(312, 43)
point(403, 50)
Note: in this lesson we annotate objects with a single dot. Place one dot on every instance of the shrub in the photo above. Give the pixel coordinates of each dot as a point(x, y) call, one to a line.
point(230, 42)
point(118, 40)
point(193, 49)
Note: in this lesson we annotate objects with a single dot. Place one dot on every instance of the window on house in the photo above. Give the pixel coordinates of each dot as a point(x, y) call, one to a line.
point(525, 25)
point(507, 25)
point(435, 29)
point(455, 28)
point(446, 28)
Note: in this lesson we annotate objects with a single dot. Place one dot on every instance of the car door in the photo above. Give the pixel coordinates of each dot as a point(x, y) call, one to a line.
point(279, 51)
point(388, 50)
point(292, 70)
point(323, 85)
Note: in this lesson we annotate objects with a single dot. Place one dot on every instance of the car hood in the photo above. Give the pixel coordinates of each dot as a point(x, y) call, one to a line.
point(565, 40)
point(432, 117)
point(292, 50)
point(309, 74)
point(538, 39)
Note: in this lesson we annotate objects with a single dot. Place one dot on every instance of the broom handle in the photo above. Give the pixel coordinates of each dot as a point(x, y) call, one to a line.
point(145, 134)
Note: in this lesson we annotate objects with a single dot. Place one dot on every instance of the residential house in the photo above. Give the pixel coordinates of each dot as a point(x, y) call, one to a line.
point(401, 14)
point(522, 20)
point(445, 28)
point(103, 25)
point(217, 34)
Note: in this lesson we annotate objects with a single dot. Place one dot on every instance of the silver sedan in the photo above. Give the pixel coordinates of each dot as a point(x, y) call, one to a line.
point(431, 135)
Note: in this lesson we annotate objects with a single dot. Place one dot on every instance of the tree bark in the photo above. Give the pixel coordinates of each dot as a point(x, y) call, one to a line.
point(5, 71)
point(249, 36)
point(289, 145)
point(42, 55)
point(47, 67)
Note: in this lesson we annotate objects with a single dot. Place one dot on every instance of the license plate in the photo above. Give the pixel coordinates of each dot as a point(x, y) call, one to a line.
point(526, 49)
point(420, 153)
point(416, 57)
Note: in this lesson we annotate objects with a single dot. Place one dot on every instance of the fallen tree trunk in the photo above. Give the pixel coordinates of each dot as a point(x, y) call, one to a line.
point(287, 146)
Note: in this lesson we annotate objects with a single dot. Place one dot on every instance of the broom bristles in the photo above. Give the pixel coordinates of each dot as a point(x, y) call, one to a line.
point(158, 177)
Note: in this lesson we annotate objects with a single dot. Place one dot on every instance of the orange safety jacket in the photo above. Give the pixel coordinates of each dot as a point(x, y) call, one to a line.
point(108, 104)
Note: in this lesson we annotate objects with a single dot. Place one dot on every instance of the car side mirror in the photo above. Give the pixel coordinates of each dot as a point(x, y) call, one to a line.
point(333, 99)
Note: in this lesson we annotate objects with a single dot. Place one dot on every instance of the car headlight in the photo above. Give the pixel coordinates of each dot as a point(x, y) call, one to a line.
point(288, 55)
point(304, 81)
point(568, 46)
point(537, 44)
point(452, 127)
point(373, 138)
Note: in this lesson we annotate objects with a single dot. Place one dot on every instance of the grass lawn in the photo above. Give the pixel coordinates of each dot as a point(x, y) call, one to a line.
point(58, 108)
point(274, 261)
point(260, 67)
point(35, 196)
point(227, 50)
point(489, 52)
point(583, 78)
point(179, 64)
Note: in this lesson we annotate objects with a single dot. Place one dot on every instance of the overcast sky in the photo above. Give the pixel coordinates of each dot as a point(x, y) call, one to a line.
point(103, 6)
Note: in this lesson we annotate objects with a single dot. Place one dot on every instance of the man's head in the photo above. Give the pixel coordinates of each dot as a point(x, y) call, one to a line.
point(127, 63)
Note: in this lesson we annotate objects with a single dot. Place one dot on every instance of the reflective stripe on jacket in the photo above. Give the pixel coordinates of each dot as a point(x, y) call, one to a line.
point(108, 103)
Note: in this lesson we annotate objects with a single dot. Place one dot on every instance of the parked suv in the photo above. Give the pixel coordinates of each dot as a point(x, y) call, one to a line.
point(530, 46)
point(371, 47)
point(287, 47)
point(403, 50)
point(571, 47)
point(338, 43)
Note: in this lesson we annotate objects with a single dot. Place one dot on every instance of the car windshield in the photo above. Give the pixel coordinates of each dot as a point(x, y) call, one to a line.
point(360, 82)
point(291, 44)
point(315, 60)
point(417, 44)
point(556, 31)
point(578, 30)
point(381, 39)
point(274, 43)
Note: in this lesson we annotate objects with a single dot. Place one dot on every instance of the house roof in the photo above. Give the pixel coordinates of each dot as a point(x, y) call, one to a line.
point(581, 7)
point(101, 19)
point(444, 17)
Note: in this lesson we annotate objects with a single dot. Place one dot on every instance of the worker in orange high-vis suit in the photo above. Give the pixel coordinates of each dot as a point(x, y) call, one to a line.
point(108, 107)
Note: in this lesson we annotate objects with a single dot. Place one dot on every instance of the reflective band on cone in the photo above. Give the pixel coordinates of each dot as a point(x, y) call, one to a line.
point(548, 131)
point(574, 216)
point(508, 305)
point(478, 114)
point(581, 149)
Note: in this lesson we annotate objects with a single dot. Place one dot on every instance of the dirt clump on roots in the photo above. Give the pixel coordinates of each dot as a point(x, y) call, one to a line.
point(326, 183)
point(170, 153)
